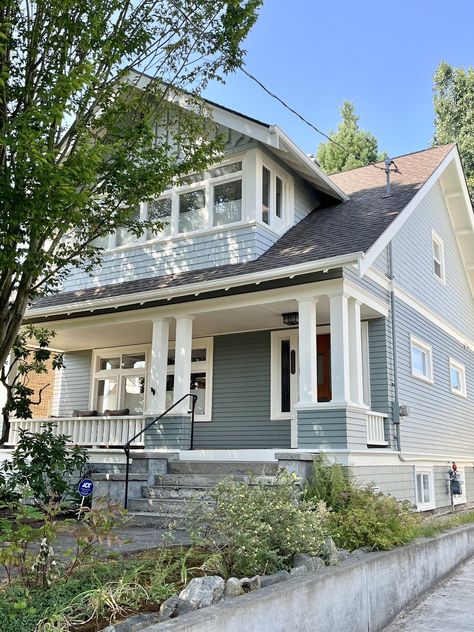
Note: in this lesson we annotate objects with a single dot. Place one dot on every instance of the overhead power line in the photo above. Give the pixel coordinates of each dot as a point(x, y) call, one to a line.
point(311, 125)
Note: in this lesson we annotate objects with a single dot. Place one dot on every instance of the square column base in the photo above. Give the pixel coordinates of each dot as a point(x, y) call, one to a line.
point(332, 427)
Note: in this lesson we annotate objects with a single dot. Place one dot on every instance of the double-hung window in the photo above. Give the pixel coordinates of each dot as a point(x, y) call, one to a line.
point(424, 489)
point(438, 257)
point(421, 360)
point(201, 377)
point(120, 380)
point(457, 377)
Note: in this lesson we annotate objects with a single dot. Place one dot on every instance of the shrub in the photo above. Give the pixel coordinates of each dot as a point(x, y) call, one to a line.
point(42, 464)
point(359, 517)
point(373, 520)
point(258, 528)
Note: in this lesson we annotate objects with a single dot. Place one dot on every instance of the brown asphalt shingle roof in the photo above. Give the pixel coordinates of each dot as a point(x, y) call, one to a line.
point(343, 228)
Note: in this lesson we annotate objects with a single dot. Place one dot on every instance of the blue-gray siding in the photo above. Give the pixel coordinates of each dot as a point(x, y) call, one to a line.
point(336, 429)
point(439, 421)
point(413, 263)
point(72, 384)
point(241, 396)
point(381, 372)
point(397, 480)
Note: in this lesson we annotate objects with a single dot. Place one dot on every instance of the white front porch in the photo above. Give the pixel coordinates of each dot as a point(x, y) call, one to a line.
point(146, 359)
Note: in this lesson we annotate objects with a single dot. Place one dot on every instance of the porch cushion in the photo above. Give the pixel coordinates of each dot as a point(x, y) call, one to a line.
point(122, 412)
point(84, 413)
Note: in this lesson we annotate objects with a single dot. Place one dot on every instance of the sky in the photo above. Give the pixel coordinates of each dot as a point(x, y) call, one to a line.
point(379, 54)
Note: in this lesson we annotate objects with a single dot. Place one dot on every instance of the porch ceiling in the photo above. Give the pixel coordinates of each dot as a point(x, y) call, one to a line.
point(97, 332)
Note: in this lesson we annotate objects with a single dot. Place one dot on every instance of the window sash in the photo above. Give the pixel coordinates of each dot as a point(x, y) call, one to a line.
point(457, 377)
point(421, 360)
point(438, 257)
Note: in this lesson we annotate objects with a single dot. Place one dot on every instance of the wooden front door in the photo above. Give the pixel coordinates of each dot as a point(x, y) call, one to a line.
point(324, 367)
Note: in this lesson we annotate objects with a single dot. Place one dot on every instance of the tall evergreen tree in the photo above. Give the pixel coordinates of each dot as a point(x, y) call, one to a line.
point(454, 113)
point(356, 147)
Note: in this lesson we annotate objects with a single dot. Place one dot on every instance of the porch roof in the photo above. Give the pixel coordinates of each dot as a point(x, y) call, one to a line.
point(327, 233)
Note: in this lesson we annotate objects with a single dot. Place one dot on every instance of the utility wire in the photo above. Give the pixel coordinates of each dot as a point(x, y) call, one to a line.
point(302, 118)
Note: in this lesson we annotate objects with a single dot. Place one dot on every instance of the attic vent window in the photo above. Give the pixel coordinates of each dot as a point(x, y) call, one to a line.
point(438, 257)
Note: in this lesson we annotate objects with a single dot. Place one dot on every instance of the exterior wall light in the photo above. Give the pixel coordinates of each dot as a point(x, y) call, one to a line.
point(291, 318)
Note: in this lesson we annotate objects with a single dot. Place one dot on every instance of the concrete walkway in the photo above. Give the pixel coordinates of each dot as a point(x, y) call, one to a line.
point(449, 608)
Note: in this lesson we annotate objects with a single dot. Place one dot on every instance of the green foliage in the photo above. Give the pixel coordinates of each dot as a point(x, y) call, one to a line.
point(357, 147)
point(454, 113)
point(373, 520)
point(359, 517)
point(258, 528)
point(85, 136)
point(329, 484)
point(43, 465)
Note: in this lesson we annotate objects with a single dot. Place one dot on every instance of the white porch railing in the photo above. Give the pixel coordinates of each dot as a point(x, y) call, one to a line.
point(376, 428)
point(86, 431)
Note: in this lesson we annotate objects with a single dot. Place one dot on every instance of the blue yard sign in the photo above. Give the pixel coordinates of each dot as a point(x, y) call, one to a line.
point(85, 487)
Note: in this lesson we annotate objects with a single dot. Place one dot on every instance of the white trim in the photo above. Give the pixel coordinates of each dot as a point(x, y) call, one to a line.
point(276, 413)
point(422, 505)
point(421, 308)
point(461, 369)
point(436, 240)
point(365, 362)
point(428, 351)
point(390, 232)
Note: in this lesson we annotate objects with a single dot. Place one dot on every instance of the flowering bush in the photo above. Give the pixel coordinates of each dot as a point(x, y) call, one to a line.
point(257, 528)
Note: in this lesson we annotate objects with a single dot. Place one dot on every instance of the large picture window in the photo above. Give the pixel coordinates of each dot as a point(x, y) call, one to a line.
point(120, 377)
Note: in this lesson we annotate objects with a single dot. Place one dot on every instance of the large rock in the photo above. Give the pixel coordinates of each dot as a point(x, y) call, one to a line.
point(203, 591)
point(329, 552)
point(173, 607)
point(358, 553)
point(138, 622)
point(233, 587)
point(299, 571)
point(276, 578)
point(254, 583)
point(344, 554)
point(302, 559)
point(318, 563)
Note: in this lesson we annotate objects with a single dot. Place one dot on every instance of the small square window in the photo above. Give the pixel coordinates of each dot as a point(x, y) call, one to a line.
point(438, 257)
point(457, 376)
point(424, 490)
point(421, 360)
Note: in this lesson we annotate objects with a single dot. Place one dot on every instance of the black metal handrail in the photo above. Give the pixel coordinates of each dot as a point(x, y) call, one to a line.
point(127, 446)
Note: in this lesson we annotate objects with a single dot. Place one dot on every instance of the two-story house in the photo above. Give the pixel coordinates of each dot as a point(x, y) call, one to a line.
point(307, 313)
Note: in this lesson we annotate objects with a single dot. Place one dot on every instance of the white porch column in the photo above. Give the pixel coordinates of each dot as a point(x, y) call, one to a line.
point(182, 367)
point(355, 353)
point(158, 365)
point(307, 351)
point(340, 370)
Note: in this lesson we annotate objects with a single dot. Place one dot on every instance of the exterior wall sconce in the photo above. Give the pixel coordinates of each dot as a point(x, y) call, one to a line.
point(291, 318)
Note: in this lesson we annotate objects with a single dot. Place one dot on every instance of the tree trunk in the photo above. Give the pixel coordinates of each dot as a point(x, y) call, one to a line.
point(5, 427)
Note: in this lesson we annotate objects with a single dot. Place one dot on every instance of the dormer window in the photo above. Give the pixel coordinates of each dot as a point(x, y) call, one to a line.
point(275, 198)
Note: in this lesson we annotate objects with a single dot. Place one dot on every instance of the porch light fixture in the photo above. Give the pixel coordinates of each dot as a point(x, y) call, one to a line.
point(291, 318)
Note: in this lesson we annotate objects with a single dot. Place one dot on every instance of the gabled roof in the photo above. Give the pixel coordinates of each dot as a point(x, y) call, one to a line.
point(328, 237)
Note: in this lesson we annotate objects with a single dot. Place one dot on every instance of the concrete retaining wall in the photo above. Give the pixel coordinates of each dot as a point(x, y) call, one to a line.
point(362, 595)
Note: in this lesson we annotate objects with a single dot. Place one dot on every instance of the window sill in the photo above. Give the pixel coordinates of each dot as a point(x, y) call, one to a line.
point(426, 380)
point(459, 393)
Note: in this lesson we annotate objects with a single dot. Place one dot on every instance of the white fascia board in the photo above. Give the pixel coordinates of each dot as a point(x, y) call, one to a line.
point(309, 165)
point(390, 232)
point(197, 288)
point(266, 135)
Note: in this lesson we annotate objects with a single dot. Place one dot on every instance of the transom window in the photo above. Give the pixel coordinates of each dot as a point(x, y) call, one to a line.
point(424, 490)
point(201, 377)
point(457, 375)
point(438, 257)
point(120, 381)
point(421, 360)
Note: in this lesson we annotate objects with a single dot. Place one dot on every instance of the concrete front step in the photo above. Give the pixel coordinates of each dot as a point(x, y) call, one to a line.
point(164, 506)
point(156, 519)
point(224, 468)
point(208, 480)
point(178, 493)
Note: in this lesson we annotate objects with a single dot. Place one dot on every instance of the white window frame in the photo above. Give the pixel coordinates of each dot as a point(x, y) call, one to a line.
point(428, 351)
point(97, 374)
point(276, 414)
point(431, 504)
point(201, 367)
point(461, 476)
point(457, 366)
point(436, 240)
point(276, 224)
